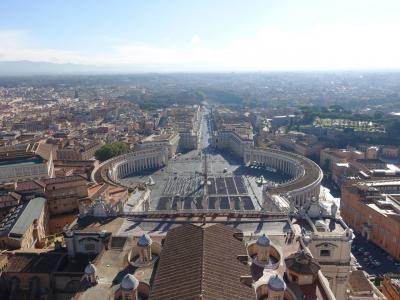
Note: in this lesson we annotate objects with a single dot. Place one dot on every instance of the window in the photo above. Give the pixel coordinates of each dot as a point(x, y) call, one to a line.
point(325, 253)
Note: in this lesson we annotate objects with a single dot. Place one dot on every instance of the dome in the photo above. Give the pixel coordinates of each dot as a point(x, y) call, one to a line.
point(129, 282)
point(302, 262)
point(144, 240)
point(276, 283)
point(90, 269)
point(263, 241)
point(303, 257)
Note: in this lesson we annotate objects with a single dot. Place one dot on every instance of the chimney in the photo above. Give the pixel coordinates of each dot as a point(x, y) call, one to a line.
point(243, 258)
point(238, 236)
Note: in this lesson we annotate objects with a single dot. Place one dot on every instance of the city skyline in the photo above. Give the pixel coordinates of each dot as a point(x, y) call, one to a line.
point(135, 36)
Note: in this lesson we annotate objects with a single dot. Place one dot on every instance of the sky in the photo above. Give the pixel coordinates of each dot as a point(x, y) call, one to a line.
point(204, 35)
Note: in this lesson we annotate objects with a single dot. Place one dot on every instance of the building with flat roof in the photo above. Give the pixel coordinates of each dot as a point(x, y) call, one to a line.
point(371, 209)
point(360, 287)
point(33, 162)
point(79, 150)
point(168, 140)
point(25, 226)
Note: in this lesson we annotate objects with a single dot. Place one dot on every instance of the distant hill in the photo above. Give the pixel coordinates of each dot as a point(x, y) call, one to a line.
point(25, 67)
point(30, 68)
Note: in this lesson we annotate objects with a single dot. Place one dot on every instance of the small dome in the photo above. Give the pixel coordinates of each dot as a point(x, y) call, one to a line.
point(144, 240)
point(276, 283)
point(263, 241)
point(129, 282)
point(90, 269)
point(303, 257)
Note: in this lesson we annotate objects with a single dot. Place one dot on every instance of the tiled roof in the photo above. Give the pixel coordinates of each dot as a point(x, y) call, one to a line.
point(301, 262)
point(33, 262)
point(27, 186)
point(201, 263)
point(63, 179)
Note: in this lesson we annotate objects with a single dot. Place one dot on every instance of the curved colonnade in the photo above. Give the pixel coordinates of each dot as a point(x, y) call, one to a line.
point(116, 168)
point(305, 183)
point(306, 174)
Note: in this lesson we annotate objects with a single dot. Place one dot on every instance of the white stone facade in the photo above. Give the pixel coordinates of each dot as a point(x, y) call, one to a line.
point(231, 141)
point(306, 175)
point(138, 161)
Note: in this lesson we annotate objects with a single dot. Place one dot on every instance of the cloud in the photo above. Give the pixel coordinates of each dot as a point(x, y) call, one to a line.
point(334, 47)
point(338, 46)
point(195, 39)
point(15, 45)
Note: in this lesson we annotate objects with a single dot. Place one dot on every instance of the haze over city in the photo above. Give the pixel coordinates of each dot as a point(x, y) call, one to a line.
point(139, 36)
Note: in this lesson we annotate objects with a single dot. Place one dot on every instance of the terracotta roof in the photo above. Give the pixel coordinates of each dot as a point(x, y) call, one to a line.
point(33, 262)
point(63, 179)
point(358, 282)
point(27, 186)
point(201, 263)
point(301, 262)
point(12, 196)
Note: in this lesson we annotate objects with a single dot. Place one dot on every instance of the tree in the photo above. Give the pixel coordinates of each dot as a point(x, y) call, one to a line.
point(378, 115)
point(108, 151)
point(393, 127)
point(336, 108)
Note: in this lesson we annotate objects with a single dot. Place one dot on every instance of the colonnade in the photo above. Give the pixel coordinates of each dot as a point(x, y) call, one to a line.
point(137, 164)
point(282, 163)
point(121, 166)
point(301, 198)
point(306, 175)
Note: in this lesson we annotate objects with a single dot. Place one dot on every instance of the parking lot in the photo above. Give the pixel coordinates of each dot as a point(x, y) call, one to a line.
point(373, 259)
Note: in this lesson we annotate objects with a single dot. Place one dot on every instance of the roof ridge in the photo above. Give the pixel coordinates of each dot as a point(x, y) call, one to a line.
point(202, 262)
